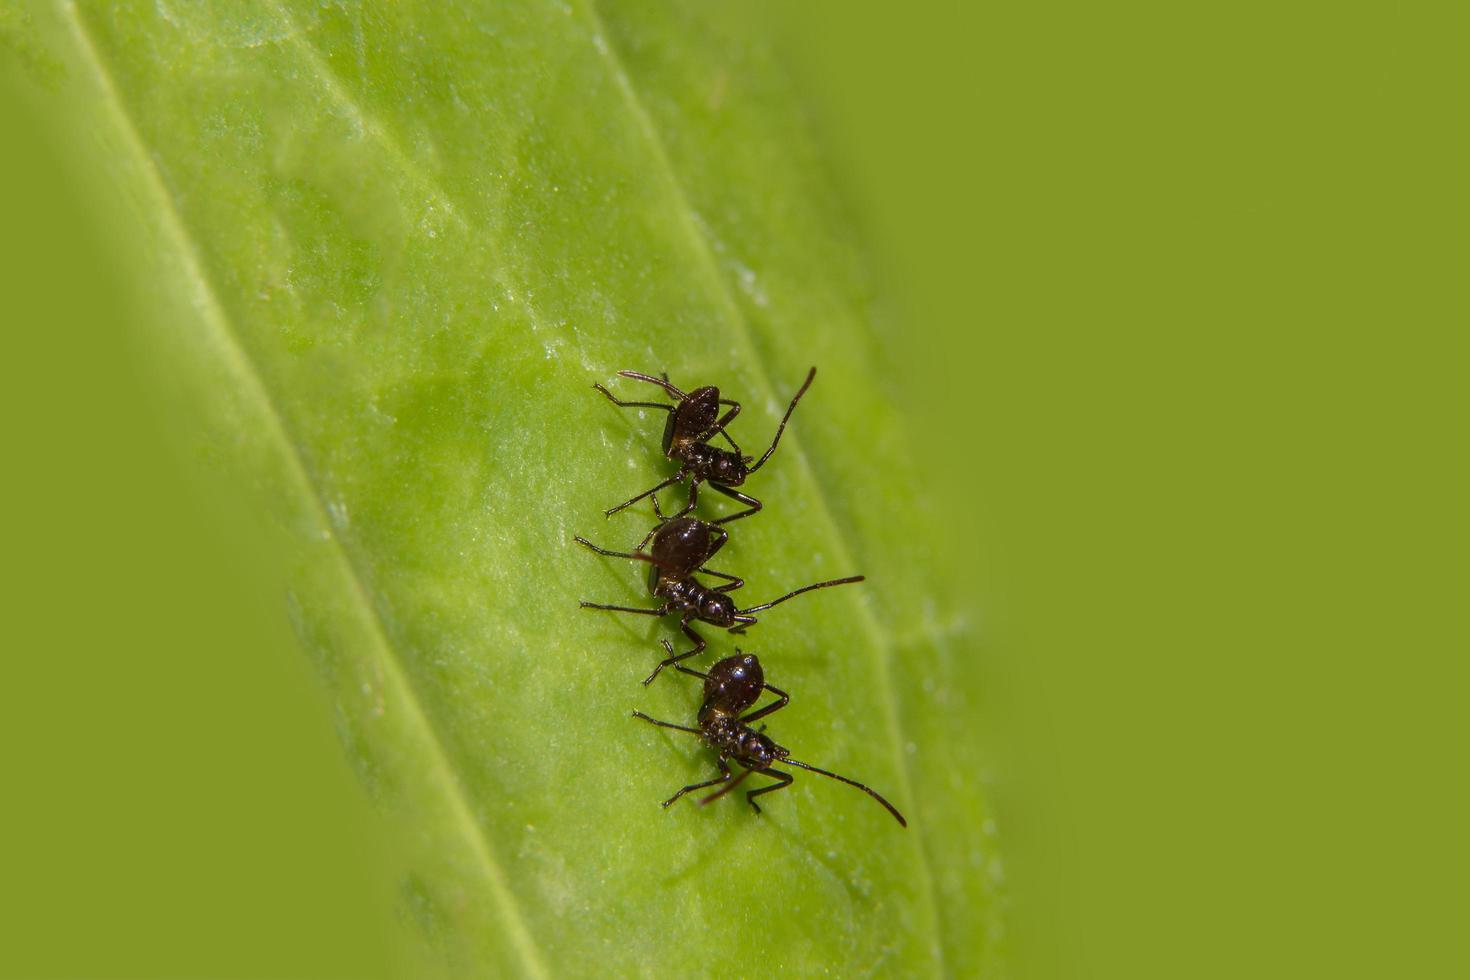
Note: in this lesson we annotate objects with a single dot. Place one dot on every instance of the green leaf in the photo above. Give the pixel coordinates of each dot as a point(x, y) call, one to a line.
point(386, 250)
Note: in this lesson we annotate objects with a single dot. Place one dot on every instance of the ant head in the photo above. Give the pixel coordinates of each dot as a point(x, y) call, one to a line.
point(729, 469)
point(758, 751)
point(735, 683)
point(718, 609)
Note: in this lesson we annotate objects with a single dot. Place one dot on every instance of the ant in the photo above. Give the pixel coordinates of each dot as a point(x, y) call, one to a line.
point(730, 687)
point(693, 422)
point(681, 547)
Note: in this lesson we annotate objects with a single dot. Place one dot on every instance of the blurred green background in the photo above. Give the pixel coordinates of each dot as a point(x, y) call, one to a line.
point(1178, 293)
point(1172, 296)
point(175, 801)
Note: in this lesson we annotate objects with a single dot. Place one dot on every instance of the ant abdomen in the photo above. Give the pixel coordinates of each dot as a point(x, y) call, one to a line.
point(734, 683)
point(676, 543)
point(696, 414)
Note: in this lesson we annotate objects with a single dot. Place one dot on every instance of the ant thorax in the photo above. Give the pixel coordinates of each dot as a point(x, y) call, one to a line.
point(688, 596)
point(711, 463)
point(723, 731)
point(684, 593)
point(722, 728)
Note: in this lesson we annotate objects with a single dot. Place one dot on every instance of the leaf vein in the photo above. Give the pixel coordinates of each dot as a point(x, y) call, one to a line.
point(880, 642)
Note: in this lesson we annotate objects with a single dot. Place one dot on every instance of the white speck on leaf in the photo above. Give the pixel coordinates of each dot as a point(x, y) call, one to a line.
point(751, 286)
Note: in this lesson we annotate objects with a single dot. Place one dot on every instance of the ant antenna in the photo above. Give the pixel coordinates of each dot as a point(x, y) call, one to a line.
point(785, 418)
point(804, 588)
point(851, 782)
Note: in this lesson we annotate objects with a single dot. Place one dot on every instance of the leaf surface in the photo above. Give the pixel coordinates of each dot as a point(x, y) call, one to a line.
point(388, 249)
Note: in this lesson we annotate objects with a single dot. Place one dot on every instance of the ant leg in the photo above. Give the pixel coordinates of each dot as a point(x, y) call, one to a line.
point(746, 499)
point(661, 382)
point(662, 517)
point(719, 427)
point(732, 582)
point(726, 788)
point(633, 500)
point(723, 777)
point(666, 724)
point(660, 611)
point(785, 699)
point(735, 411)
point(693, 499)
point(669, 647)
point(785, 418)
point(638, 555)
point(611, 554)
point(662, 520)
point(622, 404)
point(786, 779)
point(673, 659)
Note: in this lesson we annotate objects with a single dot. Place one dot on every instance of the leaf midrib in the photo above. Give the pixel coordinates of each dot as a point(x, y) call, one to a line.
point(213, 314)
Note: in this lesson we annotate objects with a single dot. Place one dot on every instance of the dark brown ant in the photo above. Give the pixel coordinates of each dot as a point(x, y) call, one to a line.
point(693, 422)
point(681, 547)
point(730, 687)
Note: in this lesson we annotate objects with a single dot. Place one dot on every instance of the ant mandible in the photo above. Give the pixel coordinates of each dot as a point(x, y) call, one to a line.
point(730, 687)
point(681, 547)
point(693, 422)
